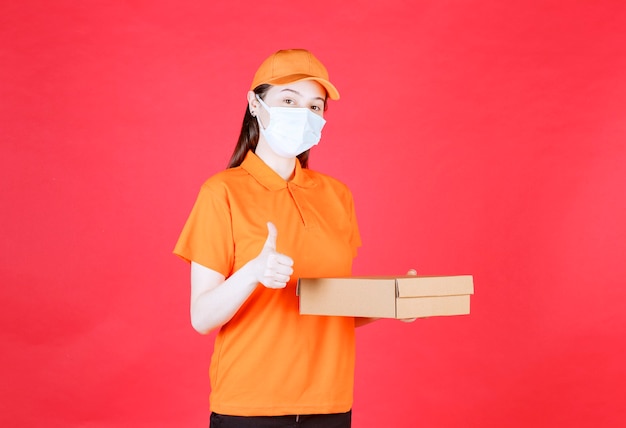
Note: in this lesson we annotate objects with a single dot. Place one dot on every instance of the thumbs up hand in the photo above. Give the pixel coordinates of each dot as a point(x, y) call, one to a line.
point(272, 269)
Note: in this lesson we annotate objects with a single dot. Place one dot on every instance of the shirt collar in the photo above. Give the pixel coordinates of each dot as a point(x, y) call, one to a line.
point(268, 177)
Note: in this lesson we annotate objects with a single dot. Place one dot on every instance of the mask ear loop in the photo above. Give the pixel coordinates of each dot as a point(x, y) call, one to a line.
point(265, 106)
point(258, 118)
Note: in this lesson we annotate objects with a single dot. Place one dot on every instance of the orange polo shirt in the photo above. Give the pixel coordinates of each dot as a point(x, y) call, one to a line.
point(268, 359)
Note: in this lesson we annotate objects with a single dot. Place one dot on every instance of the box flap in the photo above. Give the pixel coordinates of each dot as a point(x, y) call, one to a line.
point(428, 286)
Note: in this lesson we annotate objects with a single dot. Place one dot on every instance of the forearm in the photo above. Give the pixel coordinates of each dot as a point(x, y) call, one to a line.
point(215, 307)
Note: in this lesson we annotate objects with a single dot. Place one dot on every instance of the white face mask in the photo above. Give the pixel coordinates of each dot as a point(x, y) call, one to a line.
point(291, 130)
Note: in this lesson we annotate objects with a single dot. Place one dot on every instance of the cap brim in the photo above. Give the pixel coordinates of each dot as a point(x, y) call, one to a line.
point(333, 93)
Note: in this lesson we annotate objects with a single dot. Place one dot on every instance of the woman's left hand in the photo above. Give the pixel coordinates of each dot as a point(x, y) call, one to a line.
point(358, 322)
point(410, 272)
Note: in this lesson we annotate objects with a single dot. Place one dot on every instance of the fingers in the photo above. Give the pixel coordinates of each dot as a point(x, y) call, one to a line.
point(407, 320)
point(278, 265)
point(276, 281)
point(278, 272)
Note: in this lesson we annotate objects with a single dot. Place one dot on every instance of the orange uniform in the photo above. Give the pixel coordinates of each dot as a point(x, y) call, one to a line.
point(268, 359)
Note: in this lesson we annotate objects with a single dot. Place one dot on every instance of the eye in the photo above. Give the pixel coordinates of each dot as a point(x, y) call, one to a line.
point(289, 101)
point(316, 108)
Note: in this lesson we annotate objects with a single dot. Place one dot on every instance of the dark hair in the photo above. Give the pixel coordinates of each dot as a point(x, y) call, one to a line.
point(249, 135)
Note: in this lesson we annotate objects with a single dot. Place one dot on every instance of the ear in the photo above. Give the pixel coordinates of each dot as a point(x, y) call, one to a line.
point(253, 103)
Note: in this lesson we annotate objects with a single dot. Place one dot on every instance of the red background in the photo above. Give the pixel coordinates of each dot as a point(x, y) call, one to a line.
point(478, 137)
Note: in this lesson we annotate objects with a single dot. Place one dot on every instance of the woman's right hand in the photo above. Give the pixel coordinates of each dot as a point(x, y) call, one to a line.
point(271, 268)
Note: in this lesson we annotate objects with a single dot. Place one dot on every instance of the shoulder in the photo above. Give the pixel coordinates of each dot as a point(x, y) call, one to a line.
point(219, 188)
point(223, 180)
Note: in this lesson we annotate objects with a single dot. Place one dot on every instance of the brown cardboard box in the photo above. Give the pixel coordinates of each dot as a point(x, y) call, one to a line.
point(386, 297)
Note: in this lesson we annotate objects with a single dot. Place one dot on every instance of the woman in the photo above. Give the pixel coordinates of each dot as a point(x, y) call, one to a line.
point(254, 229)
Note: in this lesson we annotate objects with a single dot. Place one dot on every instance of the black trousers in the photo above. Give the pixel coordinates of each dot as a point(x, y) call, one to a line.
point(333, 420)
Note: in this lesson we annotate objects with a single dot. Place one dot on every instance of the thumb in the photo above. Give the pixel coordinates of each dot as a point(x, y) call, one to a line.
point(272, 233)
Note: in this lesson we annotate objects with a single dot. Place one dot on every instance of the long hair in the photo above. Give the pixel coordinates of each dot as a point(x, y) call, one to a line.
point(249, 135)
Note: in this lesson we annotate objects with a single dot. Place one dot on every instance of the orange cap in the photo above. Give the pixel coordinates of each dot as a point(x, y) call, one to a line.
point(292, 65)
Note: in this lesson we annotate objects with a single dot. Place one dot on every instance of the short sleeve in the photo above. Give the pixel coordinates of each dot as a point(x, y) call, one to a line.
point(207, 237)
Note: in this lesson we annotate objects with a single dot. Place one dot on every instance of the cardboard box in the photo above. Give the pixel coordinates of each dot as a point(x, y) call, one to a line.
point(386, 297)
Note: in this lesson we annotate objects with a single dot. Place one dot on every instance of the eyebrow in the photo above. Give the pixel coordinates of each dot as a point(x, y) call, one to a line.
point(298, 93)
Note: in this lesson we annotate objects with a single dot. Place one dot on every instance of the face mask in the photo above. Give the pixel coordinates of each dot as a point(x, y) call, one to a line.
point(291, 130)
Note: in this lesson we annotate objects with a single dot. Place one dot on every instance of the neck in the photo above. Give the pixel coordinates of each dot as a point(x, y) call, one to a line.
point(284, 167)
